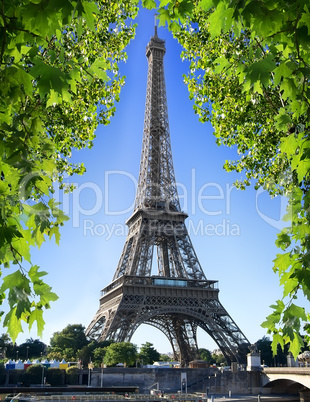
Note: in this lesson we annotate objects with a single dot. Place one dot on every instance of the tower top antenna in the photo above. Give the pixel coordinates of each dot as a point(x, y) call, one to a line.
point(155, 25)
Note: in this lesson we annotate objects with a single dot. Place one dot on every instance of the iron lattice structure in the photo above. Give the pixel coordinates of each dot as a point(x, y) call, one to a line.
point(179, 299)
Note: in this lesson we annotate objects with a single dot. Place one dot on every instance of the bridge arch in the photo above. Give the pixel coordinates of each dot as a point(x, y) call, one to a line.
point(290, 380)
point(285, 386)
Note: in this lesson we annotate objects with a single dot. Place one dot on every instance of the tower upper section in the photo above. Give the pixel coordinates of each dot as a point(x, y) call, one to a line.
point(156, 187)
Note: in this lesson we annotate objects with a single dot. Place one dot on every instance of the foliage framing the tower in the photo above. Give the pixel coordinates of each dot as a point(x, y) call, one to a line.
point(250, 63)
point(58, 65)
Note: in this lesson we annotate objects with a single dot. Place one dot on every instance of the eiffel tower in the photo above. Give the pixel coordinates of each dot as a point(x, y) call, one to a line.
point(180, 298)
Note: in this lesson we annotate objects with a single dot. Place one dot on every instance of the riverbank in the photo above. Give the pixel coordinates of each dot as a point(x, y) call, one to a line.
point(90, 397)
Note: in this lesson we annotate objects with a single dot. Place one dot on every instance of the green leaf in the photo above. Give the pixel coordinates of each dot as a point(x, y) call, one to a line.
point(185, 8)
point(44, 291)
point(90, 8)
point(276, 340)
point(283, 261)
point(22, 248)
point(17, 279)
point(163, 17)
point(303, 169)
point(296, 311)
point(53, 99)
point(150, 4)
point(280, 72)
point(55, 232)
point(295, 345)
point(283, 240)
point(289, 144)
point(13, 324)
point(305, 18)
point(174, 27)
point(220, 19)
point(98, 68)
point(36, 1)
point(260, 71)
point(35, 275)
point(37, 315)
point(205, 5)
point(289, 283)
point(49, 78)
point(279, 307)
point(40, 207)
point(289, 89)
point(19, 77)
point(221, 64)
point(271, 321)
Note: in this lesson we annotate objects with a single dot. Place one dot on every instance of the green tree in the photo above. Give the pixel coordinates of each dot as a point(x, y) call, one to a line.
point(5, 340)
point(165, 358)
point(121, 352)
point(88, 352)
point(264, 348)
point(69, 340)
point(69, 354)
point(206, 355)
point(54, 355)
point(6, 346)
point(32, 348)
point(58, 79)
point(218, 358)
point(84, 355)
point(148, 353)
point(249, 76)
point(99, 354)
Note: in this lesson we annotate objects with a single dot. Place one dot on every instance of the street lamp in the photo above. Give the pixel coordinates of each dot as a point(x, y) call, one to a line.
point(17, 355)
point(90, 367)
point(42, 379)
point(27, 347)
point(183, 382)
point(209, 390)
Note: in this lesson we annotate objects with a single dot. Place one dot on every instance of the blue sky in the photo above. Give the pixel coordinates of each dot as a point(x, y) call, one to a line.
point(233, 233)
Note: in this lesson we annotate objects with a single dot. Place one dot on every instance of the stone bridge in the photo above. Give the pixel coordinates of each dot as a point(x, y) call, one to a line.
point(291, 380)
